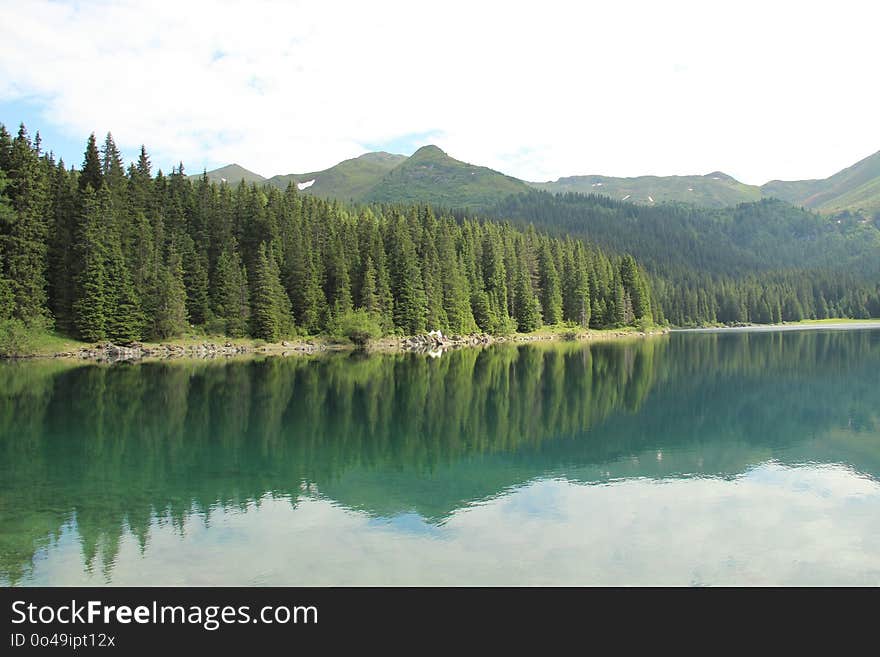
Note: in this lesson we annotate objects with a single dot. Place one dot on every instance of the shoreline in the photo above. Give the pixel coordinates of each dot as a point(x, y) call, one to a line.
point(807, 325)
point(201, 347)
point(208, 348)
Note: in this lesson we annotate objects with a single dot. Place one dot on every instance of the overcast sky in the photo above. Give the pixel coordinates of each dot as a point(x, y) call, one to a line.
point(538, 90)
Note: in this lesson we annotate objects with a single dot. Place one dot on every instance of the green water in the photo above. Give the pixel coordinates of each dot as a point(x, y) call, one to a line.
point(728, 458)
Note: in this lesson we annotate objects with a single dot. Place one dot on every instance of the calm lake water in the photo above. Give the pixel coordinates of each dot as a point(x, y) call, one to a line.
point(691, 459)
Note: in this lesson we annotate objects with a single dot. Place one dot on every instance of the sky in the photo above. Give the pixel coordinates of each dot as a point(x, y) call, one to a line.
point(760, 90)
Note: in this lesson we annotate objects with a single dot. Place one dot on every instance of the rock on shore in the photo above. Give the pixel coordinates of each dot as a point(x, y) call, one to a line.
point(135, 351)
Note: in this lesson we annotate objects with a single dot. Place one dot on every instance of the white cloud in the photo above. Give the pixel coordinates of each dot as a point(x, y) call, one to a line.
point(759, 90)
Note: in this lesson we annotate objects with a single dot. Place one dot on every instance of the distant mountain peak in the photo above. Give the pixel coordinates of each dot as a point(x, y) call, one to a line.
point(720, 175)
point(231, 174)
point(381, 157)
point(429, 151)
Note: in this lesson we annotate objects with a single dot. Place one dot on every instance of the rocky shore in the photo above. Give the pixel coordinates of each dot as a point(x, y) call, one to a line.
point(431, 343)
point(435, 340)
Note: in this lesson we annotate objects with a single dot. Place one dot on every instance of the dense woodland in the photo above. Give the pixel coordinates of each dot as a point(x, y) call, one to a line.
point(106, 252)
point(762, 262)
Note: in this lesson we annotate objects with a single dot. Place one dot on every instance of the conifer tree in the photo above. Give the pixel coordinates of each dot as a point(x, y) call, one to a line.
point(551, 291)
point(5, 148)
point(231, 300)
point(636, 287)
point(169, 313)
point(576, 288)
point(369, 300)
point(112, 170)
point(484, 316)
point(124, 319)
point(495, 280)
point(526, 310)
point(24, 233)
point(410, 303)
point(7, 214)
point(195, 279)
point(91, 298)
point(337, 281)
point(61, 247)
point(269, 303)
point(91, 174)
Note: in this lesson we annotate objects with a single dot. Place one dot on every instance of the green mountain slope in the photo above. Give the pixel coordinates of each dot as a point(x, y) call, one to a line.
point(349, 180)
point(865, 199)
point(751, 237)
point(431, 176)
point(856, 188)
point(232, 174)
point(714, 190)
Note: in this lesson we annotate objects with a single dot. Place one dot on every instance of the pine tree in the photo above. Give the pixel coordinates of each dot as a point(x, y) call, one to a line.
point(91, 174)
point(484, 316)
point(7, 216)
point(269, 303)
point(337, 282)
point(169, 313)
point(5, 148)
point(124, 319)
point(302, 279)
point(112, 170)
point(24, 232)
point(618, 310)
point(369, 300)
point(410, 303)
point(577, 305)
point(231, 287)
point(195, 279)
point(91, 299)
point(636, 287)
point(526, 310)
point(61, 247)
point(495, 280)
point(7, 302)
point(551, 291)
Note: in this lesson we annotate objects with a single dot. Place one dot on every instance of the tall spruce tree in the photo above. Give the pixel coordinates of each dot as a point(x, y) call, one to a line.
point(92, 172)
point(551, 291)
point(169, 311)
point(526, 310)
point(24, 233)
point(231, 293)
point(410, 303)
point(269, 303)
point(91, 301)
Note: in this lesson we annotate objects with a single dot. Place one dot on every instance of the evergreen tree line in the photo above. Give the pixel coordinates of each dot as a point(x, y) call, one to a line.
point(769, 298)
point(109, 252)
point(762, 262)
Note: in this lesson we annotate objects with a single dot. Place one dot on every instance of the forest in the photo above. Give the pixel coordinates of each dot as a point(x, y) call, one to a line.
point(106, 252)
point(762, 262)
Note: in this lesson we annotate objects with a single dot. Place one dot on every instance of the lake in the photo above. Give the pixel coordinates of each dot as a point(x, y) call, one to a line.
point(688, 459)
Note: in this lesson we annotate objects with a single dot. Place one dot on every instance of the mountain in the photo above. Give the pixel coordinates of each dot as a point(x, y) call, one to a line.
point(349, 180)
point(431, 176)
point(232, 174)
point(765, 235)
point(856, 188)
point(714, 190)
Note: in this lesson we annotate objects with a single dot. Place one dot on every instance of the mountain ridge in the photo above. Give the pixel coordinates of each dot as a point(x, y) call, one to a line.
point(430, 175)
